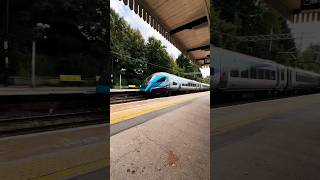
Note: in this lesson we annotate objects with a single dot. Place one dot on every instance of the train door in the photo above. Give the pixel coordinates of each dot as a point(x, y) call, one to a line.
point(289, 78)
point(224, 71)
point(215, 70)
point(223, 78)
point(278, 77)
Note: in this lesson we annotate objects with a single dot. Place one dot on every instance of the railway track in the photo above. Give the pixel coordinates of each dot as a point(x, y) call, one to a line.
point(116, 98)
point(32, 124)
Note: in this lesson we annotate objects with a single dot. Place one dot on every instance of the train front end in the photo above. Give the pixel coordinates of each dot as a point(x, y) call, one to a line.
point(155, 84)
point(102, 86)
point(103, 91)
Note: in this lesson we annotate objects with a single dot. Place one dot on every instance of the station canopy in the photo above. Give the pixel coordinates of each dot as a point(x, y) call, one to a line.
point(184, 23)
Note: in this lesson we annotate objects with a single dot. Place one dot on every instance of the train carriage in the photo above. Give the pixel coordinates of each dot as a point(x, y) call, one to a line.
point(236, 72)
point(165, 83)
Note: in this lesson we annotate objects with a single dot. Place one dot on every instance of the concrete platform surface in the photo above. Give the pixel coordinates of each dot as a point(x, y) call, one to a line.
point(125, 111)
point(54, 155)
point(276, 139)
point(123, 90)
point(24, 90)
point(171, 145)
point(7, 91)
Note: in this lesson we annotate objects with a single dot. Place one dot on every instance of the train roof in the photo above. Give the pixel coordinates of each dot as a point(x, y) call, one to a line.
point(260, 60)
point(306, 71)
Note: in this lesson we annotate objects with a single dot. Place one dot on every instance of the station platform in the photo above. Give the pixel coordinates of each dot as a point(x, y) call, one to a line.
point(24, 90)
point(123, 90)
point(274, 139)
point(54, 155)
point(164, 138)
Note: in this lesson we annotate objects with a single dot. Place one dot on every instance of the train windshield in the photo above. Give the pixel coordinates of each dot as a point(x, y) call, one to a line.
point(146, 82)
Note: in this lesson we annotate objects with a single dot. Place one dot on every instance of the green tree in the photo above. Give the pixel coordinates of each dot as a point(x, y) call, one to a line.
point(76, 42)
point(140, 59)
point(310, 59)
point(233, 19)
point(157, 57)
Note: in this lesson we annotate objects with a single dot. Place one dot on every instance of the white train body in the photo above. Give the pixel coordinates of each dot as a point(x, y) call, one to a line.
point(165, 82)
point(232, 71)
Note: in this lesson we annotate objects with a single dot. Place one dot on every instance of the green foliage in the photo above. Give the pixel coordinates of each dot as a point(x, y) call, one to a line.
point(76, 41)
point(157, 57)
point(190, 70)
point(80, 38)
point(222, 32)
point(233, 19)
point(310, 59)
point(206, 80)
point(140, 59)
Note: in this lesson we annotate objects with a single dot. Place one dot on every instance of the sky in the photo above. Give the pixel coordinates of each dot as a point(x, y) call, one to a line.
point(146, 30)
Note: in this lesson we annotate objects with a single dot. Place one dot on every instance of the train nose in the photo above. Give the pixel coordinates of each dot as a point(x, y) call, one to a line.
point(145, 88)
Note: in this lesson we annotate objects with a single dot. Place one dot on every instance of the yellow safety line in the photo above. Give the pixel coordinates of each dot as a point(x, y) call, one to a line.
point(233, 125)
point(116, 117)
point(77, 170)
point(120, 116)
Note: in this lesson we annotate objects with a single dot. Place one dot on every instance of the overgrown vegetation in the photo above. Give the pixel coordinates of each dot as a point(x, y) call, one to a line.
point(233, 19)
point(80, 42)
point(140, 59)
point(75, 43)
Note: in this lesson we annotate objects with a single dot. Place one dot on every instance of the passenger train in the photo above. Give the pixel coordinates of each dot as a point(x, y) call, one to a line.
point(233, 72)
point(165, 83)
point(102, 86)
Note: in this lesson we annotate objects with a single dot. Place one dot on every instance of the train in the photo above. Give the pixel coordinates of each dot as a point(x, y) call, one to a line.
point(102, 86)
point(162, 83)
point(236, 73)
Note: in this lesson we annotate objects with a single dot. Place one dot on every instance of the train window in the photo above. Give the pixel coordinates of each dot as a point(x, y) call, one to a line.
point(304, 78)
point(268, 74)
point(161, 80)
point(260, 73)
point(174, 83)
point(234, 73)
point(282, 75)
point(245, 73)
point(273, 75)
point(253, 73)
